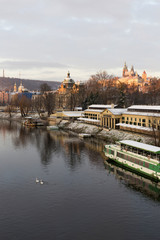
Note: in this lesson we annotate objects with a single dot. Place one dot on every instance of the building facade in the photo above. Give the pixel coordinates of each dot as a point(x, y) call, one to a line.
point(66, 94)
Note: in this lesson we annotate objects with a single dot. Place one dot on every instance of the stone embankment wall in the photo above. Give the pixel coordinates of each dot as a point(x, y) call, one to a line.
point(109, 136)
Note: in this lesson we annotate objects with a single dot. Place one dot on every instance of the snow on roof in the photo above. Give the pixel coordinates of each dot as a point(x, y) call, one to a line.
point(101, 106)
point(143, 146)
point(143, 114)
point(89, 120)
point(145, 107)
point(117, 111)
point(73, 113)
point(93, 110)
point(134, 126)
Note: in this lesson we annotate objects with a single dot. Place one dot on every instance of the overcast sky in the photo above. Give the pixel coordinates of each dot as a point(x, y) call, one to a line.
point(43, 39)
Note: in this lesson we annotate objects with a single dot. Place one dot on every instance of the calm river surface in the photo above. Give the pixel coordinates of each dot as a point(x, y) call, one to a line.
point(81, 198)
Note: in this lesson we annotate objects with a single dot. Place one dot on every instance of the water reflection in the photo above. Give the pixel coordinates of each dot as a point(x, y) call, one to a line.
point(73, 152)
point(72, 148)
point(134, 181)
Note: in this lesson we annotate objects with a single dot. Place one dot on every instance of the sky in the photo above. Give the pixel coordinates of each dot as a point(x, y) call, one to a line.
point(44, 39)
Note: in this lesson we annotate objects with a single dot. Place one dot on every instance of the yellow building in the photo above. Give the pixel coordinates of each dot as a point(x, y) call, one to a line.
point(141, 118)
point(137, 118)
point(111, 117)
point(94, 113)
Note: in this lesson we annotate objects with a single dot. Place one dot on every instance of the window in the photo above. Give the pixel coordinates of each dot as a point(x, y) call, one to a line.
point(143, 120)
point(135, 119)
point(123, 118)
point(139, 119)
point(139, 124)
point(131, 119)
point(127, 118)
point(143, 124)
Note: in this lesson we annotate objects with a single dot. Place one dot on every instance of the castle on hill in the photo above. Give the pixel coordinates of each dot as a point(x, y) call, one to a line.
point(132, 77)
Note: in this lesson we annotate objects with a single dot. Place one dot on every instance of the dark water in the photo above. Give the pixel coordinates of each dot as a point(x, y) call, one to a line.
point(81, 198)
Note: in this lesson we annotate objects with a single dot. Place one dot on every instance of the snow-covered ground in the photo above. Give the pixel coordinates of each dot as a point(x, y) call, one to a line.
point(109, 136)
point(5, 115)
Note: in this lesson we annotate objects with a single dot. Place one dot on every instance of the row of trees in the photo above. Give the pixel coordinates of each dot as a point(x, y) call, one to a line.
point(45, 102)
point(101, 88)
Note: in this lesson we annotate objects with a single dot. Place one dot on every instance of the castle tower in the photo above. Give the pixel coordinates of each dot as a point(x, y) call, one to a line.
point(144, 76)
point(125, 70)
point(132, 71)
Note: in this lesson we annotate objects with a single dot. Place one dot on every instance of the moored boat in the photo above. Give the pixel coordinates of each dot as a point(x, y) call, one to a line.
point(138, 157)
point(54, 127)
point(31, 122)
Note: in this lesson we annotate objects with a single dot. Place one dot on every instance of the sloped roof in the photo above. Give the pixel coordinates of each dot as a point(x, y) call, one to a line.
point(145, 107)
point(117, 111)
point(101, 106)
point(142, 146)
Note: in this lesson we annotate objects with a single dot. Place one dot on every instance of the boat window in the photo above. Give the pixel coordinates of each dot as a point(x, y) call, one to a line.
point(146, 164)
point(112, 152)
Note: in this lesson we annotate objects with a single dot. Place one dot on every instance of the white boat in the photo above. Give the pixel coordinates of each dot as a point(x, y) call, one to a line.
point(138, 157)
point(54, 127)
point(84, 135)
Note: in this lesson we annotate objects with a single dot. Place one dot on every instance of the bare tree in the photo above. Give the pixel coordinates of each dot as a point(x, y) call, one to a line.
point(49, 102)
point(38, 104)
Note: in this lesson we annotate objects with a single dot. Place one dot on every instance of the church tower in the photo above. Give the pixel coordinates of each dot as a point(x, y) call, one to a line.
point(15, 87)
point(144, 76)
point(125, 70)
point(132, 71)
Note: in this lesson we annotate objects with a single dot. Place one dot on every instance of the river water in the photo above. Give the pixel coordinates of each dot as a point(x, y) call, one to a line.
point(81, 198)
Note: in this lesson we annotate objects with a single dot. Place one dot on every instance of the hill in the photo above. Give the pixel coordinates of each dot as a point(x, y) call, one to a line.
point(8, 83)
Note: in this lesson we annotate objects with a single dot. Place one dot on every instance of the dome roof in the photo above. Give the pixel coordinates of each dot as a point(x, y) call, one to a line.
point(20, 88)
point(68, 79)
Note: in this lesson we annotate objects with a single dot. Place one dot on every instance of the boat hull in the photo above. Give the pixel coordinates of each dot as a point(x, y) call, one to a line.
point(132, 169)
point(138, 169)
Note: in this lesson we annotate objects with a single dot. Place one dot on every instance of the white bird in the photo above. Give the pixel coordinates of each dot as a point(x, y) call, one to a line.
point(41, 181)
point(37, 180)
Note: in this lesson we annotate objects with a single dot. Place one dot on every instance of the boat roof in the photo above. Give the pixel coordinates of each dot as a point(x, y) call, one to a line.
point(143, 146)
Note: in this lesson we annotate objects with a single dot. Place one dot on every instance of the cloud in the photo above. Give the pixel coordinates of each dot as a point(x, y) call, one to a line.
point(81, 35)
point(21, 64)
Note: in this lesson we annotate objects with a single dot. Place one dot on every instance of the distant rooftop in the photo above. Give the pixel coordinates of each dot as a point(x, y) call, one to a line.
point(145, 107)
point(101, 106)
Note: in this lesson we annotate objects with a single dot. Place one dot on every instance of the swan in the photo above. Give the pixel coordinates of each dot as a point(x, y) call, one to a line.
point(37, 180)
point(41, 182)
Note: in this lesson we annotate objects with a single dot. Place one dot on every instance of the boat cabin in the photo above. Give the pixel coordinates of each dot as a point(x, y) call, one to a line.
point(143, 149)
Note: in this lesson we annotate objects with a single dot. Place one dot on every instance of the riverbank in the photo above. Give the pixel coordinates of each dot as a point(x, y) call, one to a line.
point(98, 132)
point(110, 136)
